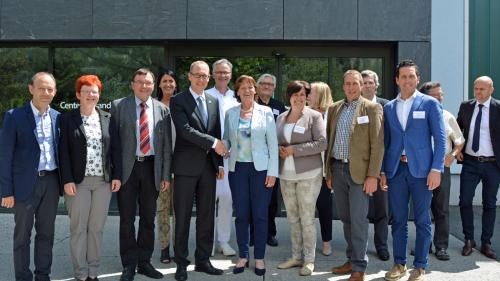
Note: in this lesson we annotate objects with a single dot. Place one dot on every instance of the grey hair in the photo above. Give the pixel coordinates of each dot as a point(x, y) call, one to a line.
point(38, 74)
point(222, 61)
point(370, 74)
point(266, 75)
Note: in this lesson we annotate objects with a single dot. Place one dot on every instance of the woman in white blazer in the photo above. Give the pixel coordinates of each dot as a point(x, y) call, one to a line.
point(250, 136)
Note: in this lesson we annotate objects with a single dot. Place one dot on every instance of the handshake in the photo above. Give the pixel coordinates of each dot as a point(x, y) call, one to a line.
point(220, 148)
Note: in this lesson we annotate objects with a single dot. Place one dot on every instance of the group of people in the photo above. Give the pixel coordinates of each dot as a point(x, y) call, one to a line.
point(233, 151)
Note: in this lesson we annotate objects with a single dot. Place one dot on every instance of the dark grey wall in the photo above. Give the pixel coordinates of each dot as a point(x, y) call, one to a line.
point(404, 21)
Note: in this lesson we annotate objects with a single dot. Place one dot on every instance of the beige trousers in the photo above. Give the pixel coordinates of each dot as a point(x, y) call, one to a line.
point(165, 208)
point(300, 201)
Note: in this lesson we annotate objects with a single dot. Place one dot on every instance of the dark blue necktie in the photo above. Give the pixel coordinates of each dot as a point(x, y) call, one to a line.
point(477, 127)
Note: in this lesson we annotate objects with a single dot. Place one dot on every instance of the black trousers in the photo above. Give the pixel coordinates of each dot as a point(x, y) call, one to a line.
point(39, 209)
point(440, 206)
point(325, 215)
point(139, 189)
point(203, 189)
point(378, 214)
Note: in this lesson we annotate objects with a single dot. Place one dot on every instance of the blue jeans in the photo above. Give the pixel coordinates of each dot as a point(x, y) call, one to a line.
point(250, 196)
point(401, 186)
point(488, 173)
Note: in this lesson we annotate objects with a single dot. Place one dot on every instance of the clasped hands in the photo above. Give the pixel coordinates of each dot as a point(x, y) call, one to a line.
point(285, 151)
point(220, 149)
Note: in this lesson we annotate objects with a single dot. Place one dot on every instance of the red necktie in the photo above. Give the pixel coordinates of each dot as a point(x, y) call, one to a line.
point(144, 130)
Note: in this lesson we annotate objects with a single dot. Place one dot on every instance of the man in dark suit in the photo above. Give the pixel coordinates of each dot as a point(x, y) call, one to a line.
point(478, 118)
point(378, 212)
point(141, 149)
point(415, 143)
point(29, 176)
point(197, 163)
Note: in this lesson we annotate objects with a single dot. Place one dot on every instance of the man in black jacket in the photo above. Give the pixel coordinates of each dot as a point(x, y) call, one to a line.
point(479, 120)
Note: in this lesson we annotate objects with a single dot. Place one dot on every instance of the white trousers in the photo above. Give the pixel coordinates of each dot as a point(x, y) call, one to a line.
point(224, 209)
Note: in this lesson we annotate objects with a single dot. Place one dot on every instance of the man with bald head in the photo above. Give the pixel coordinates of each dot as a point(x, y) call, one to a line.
point(478, 118)
point(29, 178)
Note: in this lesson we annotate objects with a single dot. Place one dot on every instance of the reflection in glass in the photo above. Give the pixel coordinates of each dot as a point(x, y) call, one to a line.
point(114, 66)
point(17, 66)
point(341, 65)
point(241, 65)
point(307, 69)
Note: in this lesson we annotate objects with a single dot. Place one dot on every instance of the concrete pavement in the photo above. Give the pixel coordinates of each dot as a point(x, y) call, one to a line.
point(475, 267)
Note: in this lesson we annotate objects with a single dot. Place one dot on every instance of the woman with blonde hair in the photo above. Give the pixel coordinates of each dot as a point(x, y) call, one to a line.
point(320, 99)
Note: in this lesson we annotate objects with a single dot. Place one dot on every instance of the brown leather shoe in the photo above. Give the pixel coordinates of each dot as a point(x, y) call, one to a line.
point(343, 269)
point(468, 247)
point(357, 276)
point(488, 251)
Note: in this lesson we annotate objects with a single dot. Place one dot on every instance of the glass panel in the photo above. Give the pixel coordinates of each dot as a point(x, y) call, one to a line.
point(307, 69)
point(114, 66)
point(17, 66)
point(341, 65)
point(241, 65)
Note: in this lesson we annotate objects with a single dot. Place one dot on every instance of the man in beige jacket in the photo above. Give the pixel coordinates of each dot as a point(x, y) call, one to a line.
point(353, 160)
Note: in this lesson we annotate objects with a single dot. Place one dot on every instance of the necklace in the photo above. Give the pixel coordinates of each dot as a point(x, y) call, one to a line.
point(248, 110)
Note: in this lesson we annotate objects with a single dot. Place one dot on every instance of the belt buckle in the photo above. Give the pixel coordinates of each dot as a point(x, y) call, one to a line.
point(482, 159)
point(42, 173)
point(345, 161)
point(140, 158)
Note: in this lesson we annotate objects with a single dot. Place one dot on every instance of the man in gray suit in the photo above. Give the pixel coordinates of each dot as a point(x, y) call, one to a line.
point(141, 152)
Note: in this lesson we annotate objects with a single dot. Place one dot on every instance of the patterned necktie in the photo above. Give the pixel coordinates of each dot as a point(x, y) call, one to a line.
point(144, 130)
point(203, 111)
point(477, 127)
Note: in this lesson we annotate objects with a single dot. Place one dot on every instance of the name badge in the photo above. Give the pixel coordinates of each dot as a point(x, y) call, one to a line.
point(276, 112)
point(418, 114)
point(299, 129)
point(363, 119)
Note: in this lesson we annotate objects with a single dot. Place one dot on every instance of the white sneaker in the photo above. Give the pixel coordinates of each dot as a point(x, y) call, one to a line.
point(226, 250)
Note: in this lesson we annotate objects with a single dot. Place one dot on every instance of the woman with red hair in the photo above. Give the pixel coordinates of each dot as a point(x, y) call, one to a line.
point(86, 174)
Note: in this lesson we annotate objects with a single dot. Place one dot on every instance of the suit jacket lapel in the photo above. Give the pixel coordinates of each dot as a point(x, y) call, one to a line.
point(394, 114)
point(357, 113)
point(212, 110)
point(415, 105)
point(193, 103)
point(104, 129)
point(77, 119)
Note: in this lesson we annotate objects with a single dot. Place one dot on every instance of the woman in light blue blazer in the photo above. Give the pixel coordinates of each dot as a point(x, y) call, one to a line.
point(250, 136)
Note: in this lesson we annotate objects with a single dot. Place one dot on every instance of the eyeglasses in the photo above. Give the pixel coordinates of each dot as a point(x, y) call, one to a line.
point(222, 73)
point(199, 75)
point(144, 83)
point(266, 84)
point(89, 92)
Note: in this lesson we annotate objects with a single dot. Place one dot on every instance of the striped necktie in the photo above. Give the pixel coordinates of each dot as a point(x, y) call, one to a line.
point(144, 130)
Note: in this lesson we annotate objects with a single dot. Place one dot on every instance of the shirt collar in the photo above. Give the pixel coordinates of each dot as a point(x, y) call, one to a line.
point(412, 97)
point(486, 103)
point(195, 95)
point(36, 112)
point(149, 102)
point(228, 93)
point(354, 102)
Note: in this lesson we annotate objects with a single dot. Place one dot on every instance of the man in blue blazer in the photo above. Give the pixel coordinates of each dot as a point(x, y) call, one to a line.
point(29, 177)
point(411, 166)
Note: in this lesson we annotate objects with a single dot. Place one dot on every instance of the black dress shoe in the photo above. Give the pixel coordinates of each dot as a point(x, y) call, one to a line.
point(181, 273)
point(165, 256)
point(260, 271)
point(383, 254)
point(238, 270)
point(488, 251)
point(468, 246)
point(147, 269)
point(92, 279)
point(208, 268)
point(271, 241)
point(128, 273)
point(441, 254)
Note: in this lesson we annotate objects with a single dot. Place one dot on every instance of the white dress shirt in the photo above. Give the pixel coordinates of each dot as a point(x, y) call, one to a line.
point(226, 101)
point(204, 101)
point(485, 145)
